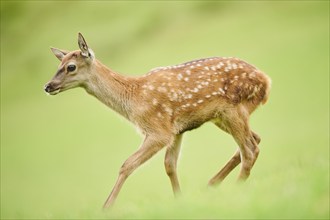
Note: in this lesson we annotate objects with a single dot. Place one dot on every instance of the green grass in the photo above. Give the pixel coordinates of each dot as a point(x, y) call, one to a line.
point(60, 155)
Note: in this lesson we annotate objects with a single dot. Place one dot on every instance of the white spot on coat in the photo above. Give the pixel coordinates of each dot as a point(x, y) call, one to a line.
point(161, 89)
point(251, 75)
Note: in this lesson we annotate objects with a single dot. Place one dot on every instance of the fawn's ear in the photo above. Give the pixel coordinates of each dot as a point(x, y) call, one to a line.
point(59, 53)
point(85, 51)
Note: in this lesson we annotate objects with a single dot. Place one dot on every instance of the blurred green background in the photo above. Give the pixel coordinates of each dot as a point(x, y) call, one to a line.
point(60, 155)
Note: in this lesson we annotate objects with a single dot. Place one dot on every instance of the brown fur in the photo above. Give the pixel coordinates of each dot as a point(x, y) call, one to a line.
point(168, 101)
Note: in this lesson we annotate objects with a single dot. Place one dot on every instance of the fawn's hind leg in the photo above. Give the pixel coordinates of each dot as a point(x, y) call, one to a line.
point(230, 165)
point(236, 159)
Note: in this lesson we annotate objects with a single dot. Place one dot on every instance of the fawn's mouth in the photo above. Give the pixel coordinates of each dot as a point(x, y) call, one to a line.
point(54, 92)
point(51, 90)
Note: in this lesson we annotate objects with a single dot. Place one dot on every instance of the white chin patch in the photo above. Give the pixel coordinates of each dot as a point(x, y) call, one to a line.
point(54, 92)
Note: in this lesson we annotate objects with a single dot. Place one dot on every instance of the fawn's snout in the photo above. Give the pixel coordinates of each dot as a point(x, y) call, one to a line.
point(51, 88)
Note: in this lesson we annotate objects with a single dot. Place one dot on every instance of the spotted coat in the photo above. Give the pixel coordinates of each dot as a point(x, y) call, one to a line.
point(184, 96)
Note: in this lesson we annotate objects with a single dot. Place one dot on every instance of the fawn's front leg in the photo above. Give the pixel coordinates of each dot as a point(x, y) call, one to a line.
point(171, 158)
point(151, 145)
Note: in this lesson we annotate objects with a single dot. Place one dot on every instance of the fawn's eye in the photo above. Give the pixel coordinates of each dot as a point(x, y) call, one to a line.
point(71, 68)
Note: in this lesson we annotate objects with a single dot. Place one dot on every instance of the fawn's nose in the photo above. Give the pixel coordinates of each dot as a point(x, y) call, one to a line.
point(48, 88)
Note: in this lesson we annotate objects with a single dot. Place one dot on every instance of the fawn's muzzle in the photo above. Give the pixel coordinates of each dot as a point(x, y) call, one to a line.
point(51, 89)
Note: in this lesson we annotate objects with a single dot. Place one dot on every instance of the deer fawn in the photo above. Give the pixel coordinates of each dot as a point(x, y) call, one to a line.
point(169, 101)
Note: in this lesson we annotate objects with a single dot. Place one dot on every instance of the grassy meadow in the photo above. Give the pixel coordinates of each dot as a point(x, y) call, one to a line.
point(60, 155)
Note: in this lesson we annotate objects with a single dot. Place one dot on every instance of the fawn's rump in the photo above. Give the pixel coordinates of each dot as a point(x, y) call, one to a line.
point(252, 90)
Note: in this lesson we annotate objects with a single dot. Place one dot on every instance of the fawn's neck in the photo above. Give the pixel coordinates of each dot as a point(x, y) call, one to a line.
point(110, 88)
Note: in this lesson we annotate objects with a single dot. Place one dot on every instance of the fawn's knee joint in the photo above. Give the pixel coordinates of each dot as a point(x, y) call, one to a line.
point(169, 166)
point(256, 138)
point(125, 170)
point(256, 152)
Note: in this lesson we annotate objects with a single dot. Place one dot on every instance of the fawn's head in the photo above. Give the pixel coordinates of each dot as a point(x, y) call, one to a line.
point(73, 70)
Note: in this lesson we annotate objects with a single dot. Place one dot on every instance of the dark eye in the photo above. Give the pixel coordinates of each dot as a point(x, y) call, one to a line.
point(71, 68)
